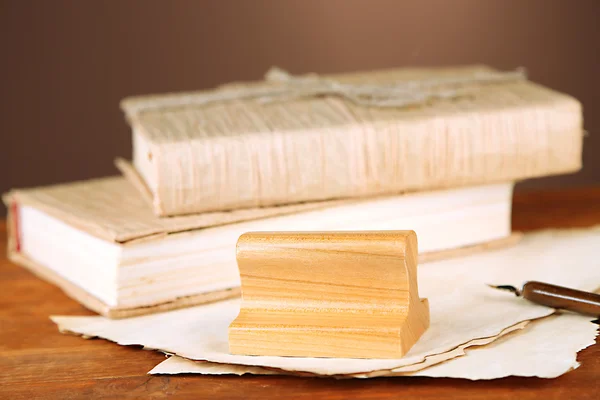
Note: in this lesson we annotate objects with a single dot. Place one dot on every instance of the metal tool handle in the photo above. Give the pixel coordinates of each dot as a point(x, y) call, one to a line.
point(561, 297)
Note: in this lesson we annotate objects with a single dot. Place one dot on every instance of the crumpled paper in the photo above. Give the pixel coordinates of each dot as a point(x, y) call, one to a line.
point(463, 309)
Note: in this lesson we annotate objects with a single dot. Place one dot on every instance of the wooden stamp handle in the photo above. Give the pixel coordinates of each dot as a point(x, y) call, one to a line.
point(563, 298)
point(328, 294)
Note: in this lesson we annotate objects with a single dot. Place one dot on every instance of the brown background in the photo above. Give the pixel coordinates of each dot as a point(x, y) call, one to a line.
point(64, 65)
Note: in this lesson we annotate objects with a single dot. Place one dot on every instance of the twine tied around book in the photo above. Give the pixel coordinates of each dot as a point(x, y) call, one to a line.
point(287, 87)
point(396, 95)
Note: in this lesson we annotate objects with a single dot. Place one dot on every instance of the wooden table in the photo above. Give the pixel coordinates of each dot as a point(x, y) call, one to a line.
point(38, 362)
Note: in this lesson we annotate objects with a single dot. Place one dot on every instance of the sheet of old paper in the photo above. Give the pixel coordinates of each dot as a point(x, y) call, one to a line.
point(180, 365)
point(547, 348)
point(463, 308)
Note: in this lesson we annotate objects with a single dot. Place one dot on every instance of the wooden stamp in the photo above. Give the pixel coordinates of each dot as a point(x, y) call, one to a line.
point(328, 294)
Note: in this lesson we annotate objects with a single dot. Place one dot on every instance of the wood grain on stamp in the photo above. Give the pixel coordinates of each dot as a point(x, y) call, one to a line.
point(328, 294)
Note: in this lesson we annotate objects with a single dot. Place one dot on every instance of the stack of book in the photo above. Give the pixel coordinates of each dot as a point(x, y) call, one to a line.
point(432, 150)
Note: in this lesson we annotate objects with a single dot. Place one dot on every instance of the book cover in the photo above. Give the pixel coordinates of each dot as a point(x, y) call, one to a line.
point(311, 138)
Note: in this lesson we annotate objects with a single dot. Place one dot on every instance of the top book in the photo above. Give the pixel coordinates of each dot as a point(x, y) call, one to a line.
point(292, 139)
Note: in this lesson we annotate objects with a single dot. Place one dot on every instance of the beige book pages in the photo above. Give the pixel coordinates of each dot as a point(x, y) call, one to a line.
point(110, 311)
point(90, 301)
point(198, 154)
point(462, 308)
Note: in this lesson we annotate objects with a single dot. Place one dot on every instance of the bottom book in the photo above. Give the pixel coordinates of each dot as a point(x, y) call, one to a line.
point(100, 242)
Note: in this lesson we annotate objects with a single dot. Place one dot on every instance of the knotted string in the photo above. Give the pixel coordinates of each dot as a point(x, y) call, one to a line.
point(288, 87)
point(396, 95)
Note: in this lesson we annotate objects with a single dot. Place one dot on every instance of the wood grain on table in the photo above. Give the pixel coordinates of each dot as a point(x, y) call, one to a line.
point(37, 361)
